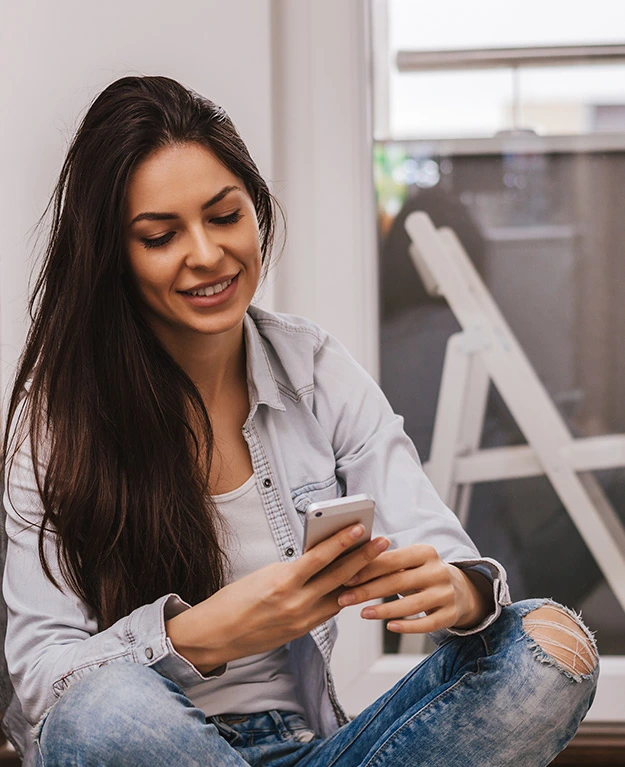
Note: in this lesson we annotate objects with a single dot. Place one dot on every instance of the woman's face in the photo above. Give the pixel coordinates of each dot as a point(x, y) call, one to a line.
point(192, 242)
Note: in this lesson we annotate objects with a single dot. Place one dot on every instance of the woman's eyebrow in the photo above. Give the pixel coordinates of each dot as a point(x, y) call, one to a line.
point(150, 216)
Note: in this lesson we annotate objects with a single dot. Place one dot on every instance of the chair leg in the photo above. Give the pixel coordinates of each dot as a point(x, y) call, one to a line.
point(459, 419)
point(472, 428)
point(448, 420)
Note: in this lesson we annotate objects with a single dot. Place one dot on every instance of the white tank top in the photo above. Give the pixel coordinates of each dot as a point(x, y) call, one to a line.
point(259, 682)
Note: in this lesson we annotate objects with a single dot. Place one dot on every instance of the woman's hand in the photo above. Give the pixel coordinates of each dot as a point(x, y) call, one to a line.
point(449, 596)
point(272, 605)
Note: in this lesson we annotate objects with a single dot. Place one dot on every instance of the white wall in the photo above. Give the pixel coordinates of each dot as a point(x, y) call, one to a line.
point(56, 56)
point(323, 169)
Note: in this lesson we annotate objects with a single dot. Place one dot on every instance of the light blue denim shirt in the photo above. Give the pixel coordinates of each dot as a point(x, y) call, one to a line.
point(319, 427)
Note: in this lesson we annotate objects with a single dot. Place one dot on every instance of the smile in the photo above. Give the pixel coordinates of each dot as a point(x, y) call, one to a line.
point(210, 290)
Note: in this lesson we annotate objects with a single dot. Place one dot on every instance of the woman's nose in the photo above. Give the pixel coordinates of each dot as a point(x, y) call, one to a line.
point(204, 252)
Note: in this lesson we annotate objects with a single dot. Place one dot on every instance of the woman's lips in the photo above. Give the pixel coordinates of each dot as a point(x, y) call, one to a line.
point(215, 299)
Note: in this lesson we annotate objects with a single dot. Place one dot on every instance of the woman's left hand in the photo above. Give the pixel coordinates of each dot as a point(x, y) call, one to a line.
point(449, 596)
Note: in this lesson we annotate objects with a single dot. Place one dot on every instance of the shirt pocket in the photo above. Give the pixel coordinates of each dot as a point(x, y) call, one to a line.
point(325, 490)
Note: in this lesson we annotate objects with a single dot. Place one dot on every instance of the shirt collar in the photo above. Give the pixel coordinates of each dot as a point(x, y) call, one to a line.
point(262, 386)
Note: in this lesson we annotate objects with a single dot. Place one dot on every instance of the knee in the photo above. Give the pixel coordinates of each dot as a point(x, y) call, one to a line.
point(113, 690)
point(109, 709)
point(561, 639)
point(546, 673)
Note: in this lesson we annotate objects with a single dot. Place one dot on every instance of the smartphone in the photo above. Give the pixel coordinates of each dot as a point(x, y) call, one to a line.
point(325, 518)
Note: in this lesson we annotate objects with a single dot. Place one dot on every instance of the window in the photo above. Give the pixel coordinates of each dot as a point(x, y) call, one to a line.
point(459, 70)
point(524, 158)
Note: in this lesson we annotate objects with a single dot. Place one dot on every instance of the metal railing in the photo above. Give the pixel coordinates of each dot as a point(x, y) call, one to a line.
point(509, 58)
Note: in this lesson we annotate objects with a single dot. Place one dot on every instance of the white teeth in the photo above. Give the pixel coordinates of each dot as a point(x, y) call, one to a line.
point(210, 290)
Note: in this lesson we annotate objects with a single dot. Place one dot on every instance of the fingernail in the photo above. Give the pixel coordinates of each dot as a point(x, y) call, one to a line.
point(380, 544)
point(347, 599)
point(368, 612)
point(356, 532)
point(393, 626)
point(352, 581)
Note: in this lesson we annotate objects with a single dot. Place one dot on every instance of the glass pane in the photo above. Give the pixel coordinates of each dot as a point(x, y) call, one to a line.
point(493, 24)
point(544, 230)
point(450, 104)
point(563, 100)
point(479, 103)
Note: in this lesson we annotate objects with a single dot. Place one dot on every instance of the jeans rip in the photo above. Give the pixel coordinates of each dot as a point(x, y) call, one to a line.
point(558, 637)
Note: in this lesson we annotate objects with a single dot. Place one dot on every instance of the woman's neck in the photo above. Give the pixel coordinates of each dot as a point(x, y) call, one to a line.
point(215, 363)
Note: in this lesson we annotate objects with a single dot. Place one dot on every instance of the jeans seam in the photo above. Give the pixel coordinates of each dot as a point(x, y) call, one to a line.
point(43, 764)
point(487, 648)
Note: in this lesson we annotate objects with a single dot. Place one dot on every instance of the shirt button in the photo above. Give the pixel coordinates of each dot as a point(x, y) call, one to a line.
point(149, 653)
point(267, 482)
point(290, 551)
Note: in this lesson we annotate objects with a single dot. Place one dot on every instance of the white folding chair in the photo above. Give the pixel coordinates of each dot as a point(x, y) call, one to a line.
point(487, 350)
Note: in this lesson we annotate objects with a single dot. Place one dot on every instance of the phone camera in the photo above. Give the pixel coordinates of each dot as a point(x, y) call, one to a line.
point(319, 513)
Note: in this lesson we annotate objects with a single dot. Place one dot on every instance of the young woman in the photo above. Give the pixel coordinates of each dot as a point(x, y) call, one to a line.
point(167, 437)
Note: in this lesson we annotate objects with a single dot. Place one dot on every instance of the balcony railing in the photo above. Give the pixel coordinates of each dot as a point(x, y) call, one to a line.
point(509, 58)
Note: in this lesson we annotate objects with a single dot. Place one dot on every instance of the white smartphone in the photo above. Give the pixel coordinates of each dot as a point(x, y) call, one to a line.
point(325, 518)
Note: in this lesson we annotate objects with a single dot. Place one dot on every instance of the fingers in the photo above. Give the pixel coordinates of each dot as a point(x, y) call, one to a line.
point(325, 553)
point(341, 570)
point(409, 557)
point(401, 615)
point(407, 582)
point(424, 602)
point(402, 582)
point(435, 621)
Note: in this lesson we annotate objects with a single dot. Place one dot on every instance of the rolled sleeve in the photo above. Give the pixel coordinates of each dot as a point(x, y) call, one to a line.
point(138, 638)
point(495, 573)
point(159, 652)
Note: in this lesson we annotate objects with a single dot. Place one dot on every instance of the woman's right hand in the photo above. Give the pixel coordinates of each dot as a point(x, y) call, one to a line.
point(273, 605)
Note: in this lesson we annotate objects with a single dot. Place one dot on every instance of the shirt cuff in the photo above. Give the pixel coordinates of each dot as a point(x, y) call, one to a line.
point(496, 574)
point(154, 648)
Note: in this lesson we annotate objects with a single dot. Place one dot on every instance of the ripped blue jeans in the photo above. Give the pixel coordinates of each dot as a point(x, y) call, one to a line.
point(486, 700)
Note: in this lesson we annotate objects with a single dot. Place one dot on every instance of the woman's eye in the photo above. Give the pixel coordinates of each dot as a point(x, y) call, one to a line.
point(157, 242)
point(232, 218)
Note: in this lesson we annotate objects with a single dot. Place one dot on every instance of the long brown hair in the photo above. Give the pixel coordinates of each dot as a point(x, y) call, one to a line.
point(107, 404)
